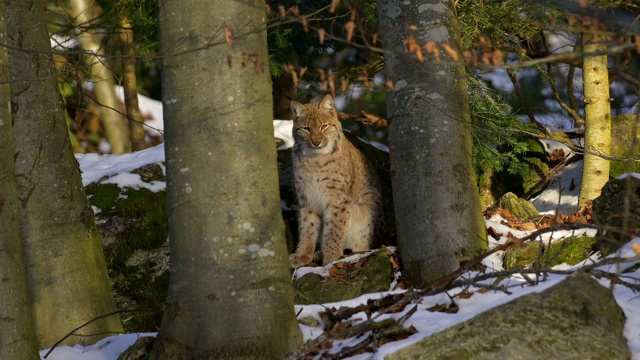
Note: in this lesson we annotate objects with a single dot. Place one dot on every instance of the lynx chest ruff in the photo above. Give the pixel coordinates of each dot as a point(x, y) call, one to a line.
point(337, 188)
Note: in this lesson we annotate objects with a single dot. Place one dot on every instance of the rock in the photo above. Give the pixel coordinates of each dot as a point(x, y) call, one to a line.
point(622, 129)
point(576, 319)
point(346, 281)
point(608, 210)
point(521, 208)
point(571, 250)
point(133, 225)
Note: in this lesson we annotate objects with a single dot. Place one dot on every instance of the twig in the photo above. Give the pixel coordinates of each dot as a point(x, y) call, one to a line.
point(96, 319)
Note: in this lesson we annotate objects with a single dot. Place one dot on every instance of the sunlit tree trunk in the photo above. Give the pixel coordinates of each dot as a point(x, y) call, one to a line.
point(116, 130)
point(438, 215)
point(597, 109)
point(17, 335)
point(129, 84)
point(230, 293)
point(66, 269)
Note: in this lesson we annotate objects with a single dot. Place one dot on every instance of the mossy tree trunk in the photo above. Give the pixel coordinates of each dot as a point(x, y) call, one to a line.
point(66, 269)
point(438, 215)
point(84, 14)
point(230, 293)
point(597, 142)
point(17, 335)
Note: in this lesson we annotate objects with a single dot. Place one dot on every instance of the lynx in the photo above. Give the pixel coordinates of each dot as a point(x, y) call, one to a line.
point(337, 187)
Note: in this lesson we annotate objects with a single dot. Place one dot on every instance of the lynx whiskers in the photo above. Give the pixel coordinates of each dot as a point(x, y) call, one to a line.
point(337, 187)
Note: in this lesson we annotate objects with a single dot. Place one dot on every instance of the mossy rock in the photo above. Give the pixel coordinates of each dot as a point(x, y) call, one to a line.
point(575, 319)
point(609, 210)
point(133, 225)
point(622, 129)
point(570, 250)
point(373, 274)
point(521, 208)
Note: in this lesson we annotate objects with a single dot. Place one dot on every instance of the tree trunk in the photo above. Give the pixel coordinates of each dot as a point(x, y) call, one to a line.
point(116, 130)
point(438, 215)
point(17, 335)
point(230, 293)
point(129, 85)
point(66, 270)
point(597, 109)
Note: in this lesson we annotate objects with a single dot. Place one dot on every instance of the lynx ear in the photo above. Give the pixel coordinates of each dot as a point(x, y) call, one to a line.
point(297, 109)
point(327, 103)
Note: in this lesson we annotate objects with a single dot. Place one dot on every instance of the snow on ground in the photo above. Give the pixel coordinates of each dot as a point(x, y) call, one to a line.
point(96, 167)
point(151, 111)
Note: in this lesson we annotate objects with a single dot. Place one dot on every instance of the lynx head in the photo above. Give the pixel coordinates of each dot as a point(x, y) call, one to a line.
point(316, 129)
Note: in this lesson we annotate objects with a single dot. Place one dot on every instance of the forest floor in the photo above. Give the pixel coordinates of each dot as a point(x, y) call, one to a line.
point(426, 314)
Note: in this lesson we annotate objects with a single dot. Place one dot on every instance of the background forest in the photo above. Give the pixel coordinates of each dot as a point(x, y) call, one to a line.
point(466, 92)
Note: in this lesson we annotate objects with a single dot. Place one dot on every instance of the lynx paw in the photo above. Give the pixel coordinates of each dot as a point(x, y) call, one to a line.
point(298, 260)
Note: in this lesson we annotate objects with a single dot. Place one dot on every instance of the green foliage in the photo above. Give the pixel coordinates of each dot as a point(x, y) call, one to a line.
point(503, 23)
point(497, 134)
point(143, 16)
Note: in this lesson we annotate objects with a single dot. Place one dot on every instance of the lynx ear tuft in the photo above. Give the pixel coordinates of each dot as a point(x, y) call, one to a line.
point(297, 109)
point(327, 103)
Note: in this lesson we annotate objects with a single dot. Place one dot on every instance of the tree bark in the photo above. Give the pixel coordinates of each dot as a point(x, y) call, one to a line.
point(17, 335)
point(597, 109)
point(66, 269)
point(111, 117)
point(230, 293)
point(130, 86)
point(438, 215)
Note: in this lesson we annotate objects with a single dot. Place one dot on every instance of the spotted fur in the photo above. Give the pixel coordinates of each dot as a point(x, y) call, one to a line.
point(337, 187)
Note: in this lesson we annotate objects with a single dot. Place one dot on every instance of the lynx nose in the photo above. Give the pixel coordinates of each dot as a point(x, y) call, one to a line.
point(316, 141)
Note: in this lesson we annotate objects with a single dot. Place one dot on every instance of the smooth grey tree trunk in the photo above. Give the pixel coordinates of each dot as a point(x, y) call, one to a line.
point(66, 269)
point(438, 215)
point(17, 335)
point(230, 294)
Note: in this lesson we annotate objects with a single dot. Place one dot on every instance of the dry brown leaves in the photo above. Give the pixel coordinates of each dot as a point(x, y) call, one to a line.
point(583, 216)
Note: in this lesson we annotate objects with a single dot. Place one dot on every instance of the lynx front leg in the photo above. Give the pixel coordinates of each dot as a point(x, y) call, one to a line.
point(309, 225)
point(334, 230)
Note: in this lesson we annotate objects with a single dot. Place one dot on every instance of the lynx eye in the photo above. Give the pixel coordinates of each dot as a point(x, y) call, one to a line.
point(305, 129)
point(324, 127)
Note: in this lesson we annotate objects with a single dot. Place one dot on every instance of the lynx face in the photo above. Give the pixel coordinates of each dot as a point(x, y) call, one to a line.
point(315, 128)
